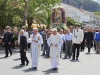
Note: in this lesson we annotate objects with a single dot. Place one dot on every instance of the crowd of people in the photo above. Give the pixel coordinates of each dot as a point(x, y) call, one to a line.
point(70, 42)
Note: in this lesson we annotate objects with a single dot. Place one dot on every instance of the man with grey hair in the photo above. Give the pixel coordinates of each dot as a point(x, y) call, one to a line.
point(23, 48)
point(36, 41)
point(8, 40)
point(55, 43)
point(68, 44)
point(63, 38)
point(25, 34)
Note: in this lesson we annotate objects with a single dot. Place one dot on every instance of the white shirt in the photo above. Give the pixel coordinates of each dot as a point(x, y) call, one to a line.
point(77, 36)
point(62, 36)
point(25, 34)
point(68, 37)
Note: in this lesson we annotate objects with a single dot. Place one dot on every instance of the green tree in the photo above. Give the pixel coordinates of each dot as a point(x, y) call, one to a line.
point(71, 22)
point(97, 14)
point(7, 12)
point(48, 5)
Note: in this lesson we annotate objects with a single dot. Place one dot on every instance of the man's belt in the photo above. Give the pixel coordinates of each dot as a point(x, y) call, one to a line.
point(68, 40)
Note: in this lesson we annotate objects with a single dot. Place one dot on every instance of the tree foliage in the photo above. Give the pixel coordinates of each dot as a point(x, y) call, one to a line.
point(71, 22)
point(12, 12)
point(7, 13)
point(97, 14)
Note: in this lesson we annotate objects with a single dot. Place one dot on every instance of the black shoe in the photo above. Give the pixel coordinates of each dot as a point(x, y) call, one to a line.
point(77, 59)
point(69, 57)
point(11, 54)
point(55, 68)
point(6, 56)
point(27, 63)
point(73, 58)
point(35, 68)
point(22, 64)
point(43, 53)
point(65, 57)
point(48, 56)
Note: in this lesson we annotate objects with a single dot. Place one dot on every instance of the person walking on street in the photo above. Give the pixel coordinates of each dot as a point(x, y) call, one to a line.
point(23, 48)
point(55, 43)
point(77, 38)
point(97, 41)
point(36, 42)
point(89, 39)
point(8, 40)
point(68, 44)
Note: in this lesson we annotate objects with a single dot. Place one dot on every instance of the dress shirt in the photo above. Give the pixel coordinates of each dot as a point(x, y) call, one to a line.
point(63, 37)
point(68, 37)
point(77, 36)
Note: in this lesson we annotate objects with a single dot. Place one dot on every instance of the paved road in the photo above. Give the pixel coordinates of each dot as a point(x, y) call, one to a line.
point(88, 64)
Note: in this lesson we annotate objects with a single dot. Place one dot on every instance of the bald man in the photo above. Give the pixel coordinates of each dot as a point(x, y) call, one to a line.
point(55, 42)
point(36, 42)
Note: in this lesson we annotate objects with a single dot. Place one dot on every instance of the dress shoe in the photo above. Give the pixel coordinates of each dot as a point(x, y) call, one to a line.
point(77, 59)
point(73, 59)
point(43, 53)
point(11, 54)
point(35, 68)
point(55, 68)
point(22, 64)
point(69, 57)
point(65, 57)
point(27, 63)
point(6, 56)
point(48, 56)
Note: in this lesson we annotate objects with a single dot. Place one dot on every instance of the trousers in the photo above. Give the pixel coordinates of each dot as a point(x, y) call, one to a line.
point(74, 48)
point(23, 57)
point(8, 48)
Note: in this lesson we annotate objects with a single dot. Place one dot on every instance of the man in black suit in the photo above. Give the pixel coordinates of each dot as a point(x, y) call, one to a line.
point(89, 39)
point(8, 40)
point(23, 48)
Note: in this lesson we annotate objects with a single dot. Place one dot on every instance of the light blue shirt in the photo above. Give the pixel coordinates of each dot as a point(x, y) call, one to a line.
point(68, 37)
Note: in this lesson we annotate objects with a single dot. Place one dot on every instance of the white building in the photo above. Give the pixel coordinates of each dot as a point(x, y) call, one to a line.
point(80, 15)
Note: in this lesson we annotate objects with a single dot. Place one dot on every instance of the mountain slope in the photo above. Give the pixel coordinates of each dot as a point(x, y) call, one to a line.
point(88, 5)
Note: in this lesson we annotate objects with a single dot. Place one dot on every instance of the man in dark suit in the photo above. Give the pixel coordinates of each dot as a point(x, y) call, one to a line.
point(8, 40)
point(23, 48)
point(89, 39)
point(45, 45)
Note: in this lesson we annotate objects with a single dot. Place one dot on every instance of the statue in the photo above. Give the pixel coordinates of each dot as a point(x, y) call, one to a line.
point(57, 16)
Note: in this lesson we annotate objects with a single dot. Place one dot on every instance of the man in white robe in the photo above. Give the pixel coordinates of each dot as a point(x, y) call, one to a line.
point(36, 41)
point(55, 43)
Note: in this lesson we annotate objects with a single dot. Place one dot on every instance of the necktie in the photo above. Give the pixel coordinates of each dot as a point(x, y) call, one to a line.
point(77, 30)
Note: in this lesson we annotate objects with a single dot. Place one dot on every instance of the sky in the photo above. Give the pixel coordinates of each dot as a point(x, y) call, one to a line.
point(97, 1)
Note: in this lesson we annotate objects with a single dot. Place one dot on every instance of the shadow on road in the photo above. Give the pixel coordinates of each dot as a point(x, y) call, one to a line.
point(75, 61)
point(3, 57)
point(17, 67)
point(50, 71)
point(16, 59)
point(88, 53)
point(45, 57)
point(14, 51)
point(29, 70)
